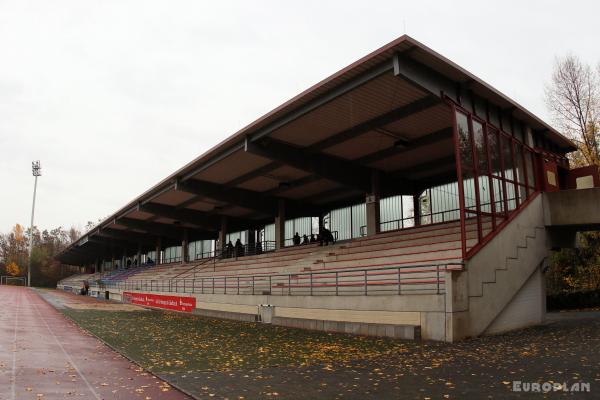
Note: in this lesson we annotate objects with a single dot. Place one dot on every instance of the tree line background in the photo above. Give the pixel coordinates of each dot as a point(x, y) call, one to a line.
point(45, 270)
point(573, 98)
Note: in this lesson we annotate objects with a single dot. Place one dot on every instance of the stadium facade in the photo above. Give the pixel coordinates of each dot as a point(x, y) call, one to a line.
point(444, 195)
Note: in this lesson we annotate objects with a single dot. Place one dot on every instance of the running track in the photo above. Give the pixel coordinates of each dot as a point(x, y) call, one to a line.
point(45, 356)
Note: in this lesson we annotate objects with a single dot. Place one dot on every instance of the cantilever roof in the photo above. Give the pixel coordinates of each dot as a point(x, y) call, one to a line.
point(368, 116)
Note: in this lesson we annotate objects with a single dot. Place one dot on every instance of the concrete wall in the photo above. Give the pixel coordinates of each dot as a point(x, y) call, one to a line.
point(577, 208)
point(406, 316)
point(528, 307)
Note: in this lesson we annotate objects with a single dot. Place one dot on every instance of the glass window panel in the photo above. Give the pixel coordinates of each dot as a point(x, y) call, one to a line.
point(498, 196)
point(444, 202)
point(530, 169)
point(480, 148)
point(518, 133)
point(494, 152)
point(464, 142)
point(484, 194)
point(359, 218)
point(469, 194)
point(522, 194)
point(508, 159)
point(510, 196)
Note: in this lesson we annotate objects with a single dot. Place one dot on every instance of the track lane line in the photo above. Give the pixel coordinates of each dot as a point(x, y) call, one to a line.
point(14, 360)
point(67, 355)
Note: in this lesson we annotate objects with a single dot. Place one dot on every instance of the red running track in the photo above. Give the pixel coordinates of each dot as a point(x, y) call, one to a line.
point(45, 356)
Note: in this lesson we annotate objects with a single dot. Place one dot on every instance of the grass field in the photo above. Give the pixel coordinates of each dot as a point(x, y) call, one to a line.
point(170, 342)
point(236, 360)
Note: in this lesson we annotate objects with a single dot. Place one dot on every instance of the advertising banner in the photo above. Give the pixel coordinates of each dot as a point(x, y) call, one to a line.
point(177, 303)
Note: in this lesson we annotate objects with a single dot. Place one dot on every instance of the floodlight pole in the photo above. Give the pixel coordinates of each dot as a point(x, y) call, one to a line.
point(37, 171)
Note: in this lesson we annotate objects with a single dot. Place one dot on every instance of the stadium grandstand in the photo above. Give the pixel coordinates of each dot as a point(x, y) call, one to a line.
point(401, 196)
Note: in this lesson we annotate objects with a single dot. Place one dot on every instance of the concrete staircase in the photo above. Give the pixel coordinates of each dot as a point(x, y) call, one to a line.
point(504, 269)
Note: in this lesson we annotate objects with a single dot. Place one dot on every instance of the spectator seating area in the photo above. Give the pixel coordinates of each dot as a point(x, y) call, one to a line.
point(408, 260)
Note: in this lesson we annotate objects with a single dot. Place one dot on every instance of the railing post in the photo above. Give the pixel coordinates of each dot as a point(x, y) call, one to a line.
point(270, 284)
point(366, 283)
point(289, 284)
point(184, 285)
point(238, 284)
point(202, 286)
point(213, 285)
point(399, 281)
point(252, 284)
point(194, 285)
point(437, 269)
point(225, 285)
point(336, 283)
point(311, 284)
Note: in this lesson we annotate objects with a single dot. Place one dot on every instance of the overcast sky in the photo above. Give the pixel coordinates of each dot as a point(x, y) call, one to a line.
point(113, 96)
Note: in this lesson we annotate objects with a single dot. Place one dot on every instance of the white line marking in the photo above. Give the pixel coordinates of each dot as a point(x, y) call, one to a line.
point(14, 360)
point(67, 355)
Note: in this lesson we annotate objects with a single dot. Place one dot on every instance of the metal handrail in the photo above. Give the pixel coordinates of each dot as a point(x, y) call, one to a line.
point(398, 279)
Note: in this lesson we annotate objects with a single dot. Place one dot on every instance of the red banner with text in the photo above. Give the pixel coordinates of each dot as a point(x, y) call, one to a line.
point(177, 303)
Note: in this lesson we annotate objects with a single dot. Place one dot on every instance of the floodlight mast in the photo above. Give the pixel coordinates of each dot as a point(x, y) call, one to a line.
point(36, 169)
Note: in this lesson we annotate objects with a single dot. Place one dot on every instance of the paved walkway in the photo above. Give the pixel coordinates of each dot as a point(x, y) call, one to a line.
point(45, 356)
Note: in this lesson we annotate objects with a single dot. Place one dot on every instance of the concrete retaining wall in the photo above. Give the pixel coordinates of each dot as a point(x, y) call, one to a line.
point(406, 316)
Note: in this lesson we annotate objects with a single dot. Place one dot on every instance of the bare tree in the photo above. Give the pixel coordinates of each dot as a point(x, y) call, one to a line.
point(573, 97)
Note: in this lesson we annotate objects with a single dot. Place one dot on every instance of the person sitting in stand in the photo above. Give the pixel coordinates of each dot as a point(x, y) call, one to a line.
point(329, 236)
point(85, 289)
point(239, 248)
point(296, 239)
point(312, 238)
point(258, 247)
point(229, 250)
point(326, 236)
point(304, 239)
point(149, 261)
point(135, 262)
point(128, 263)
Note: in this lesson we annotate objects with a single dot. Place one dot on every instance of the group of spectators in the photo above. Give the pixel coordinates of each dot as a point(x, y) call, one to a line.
point(230, 250)
point(239, 250)
point(324, 237)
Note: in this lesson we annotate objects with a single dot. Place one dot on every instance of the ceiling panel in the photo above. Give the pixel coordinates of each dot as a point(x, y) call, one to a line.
point(237, 164)
point(368, 101)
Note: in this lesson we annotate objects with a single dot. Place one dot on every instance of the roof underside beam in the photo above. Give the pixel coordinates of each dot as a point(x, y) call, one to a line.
point(200, 219)
point(336, 169)
point(394, 115)
point(425, 78)
point(267, 205)
point(154, 228)
point(204, 220)
point(129, 236)
point(431, 138)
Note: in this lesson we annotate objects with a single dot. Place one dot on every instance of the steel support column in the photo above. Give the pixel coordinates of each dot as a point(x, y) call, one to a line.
point(372, 206)
point(158, 250)
point(222, 234)
point(280, 225)
point(184, 247)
